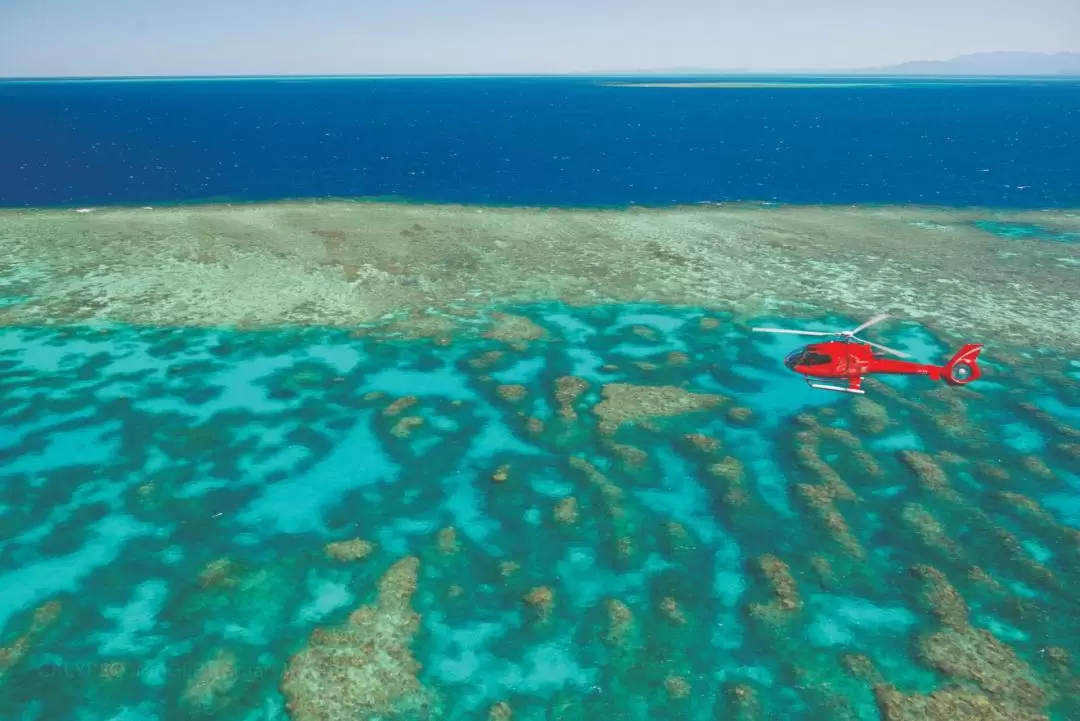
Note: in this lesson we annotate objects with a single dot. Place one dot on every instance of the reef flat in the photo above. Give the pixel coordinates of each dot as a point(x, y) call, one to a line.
point(963, 273)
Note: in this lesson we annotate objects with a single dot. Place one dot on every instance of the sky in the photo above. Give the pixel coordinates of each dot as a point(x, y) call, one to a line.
point(314, 37)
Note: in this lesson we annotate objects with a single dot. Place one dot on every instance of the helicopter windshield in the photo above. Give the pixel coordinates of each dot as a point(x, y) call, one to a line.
point(805, 357)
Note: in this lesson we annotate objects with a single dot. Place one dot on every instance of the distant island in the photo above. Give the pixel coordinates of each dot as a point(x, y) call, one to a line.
point(992, 63)
point(996, 63)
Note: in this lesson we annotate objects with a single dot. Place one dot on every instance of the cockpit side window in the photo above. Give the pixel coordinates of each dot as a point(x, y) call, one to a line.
point(810, 358)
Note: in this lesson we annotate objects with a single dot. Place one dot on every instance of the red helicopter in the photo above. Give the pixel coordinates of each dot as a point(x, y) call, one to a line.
point(852, 358)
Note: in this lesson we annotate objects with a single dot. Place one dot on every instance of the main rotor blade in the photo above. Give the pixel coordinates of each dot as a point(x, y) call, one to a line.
point(900, 353)
point(872, 321)
point(794, 332)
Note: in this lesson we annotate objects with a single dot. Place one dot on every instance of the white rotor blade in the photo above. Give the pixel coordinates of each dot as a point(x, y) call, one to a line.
point(902, 354)
point(872, 321)
point(795, 332)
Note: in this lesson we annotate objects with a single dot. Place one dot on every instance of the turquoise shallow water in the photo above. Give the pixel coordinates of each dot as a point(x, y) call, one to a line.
point(1026, 231)
point(168, 494)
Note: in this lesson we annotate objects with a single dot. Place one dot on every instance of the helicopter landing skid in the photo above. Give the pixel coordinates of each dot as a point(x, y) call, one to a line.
point(823, 384)
point(841, 389)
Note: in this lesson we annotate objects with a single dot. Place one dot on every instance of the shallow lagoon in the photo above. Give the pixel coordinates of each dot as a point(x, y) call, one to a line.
point(596, 512)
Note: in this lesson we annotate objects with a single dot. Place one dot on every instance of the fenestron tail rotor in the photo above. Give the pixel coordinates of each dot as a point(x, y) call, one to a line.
point(848, 334)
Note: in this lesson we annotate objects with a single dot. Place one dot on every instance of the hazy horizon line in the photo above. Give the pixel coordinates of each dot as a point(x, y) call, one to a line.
point(703, 72)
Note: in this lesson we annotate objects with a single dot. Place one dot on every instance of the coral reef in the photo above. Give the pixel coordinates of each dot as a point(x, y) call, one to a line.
point(43, 617)
point(220, 572)
point(807, 451)
point(701, 442)
point(541, 599)
point(399, 405)
point(823, 569)
point(610, 492)
point(670, 608)
point(364, 668)
point(739, 702)
point(1037, 467)
point(501, 712)
point(740, 415)
point(1026, 505)
point(1059, 427)
point(487, 359)
point(621, 624)
point(567, 390)
point(677, 687)
point(977, 655)
point(405, 426)
point(971, 654)
point(946, 705)
point(448, 541)
point(871, 415)
point(820, 499)
point(929, 474)
point(354, 549)
point(512, 392)
point(630, 455)
point(786, 600)
point(929, 530)
point(507, 327)
point(625, 403)
point(211, 681)
point(733, 473)
point(190, 262)
point(566, 511)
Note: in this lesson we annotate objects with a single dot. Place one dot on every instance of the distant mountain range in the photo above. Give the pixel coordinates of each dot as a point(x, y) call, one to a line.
point(995, 63)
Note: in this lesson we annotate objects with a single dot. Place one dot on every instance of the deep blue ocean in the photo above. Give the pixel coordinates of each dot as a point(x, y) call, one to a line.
point(546, 141)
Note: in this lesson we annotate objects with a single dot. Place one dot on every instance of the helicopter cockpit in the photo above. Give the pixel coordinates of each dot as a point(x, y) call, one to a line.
point(804, 357)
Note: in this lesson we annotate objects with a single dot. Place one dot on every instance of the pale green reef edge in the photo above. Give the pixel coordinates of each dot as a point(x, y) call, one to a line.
point(345, 263)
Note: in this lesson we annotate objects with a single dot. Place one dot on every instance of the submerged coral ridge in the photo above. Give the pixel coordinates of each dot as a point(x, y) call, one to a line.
point(612, 511)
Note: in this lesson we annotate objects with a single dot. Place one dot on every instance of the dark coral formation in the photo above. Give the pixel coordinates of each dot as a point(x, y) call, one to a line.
point(509, 328)
point(211, 682)
point(929, 529)
point(929, 474)
point(364, 668)
point(567, 390)
point(354, 549)
point(43, 617)
point(624, 403)
point(998, 684)
point(732, 473)
point(820, 499)
point(786, 600)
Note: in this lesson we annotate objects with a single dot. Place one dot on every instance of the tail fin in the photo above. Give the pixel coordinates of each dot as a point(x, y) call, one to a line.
point(963, 367)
